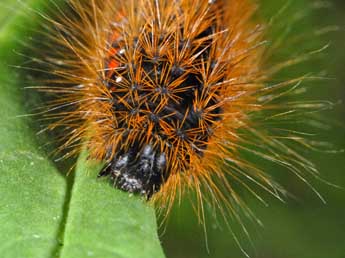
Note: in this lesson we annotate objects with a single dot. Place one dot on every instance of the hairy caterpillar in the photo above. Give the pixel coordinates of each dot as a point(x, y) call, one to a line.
point(169, 94)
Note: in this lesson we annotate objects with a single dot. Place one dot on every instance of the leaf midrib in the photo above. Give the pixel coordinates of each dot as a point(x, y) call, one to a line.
point(60, 236)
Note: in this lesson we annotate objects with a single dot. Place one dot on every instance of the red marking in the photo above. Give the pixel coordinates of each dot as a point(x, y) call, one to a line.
point(113, 64)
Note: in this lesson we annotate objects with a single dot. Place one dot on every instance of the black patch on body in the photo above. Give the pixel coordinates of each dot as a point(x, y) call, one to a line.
point(143, 170)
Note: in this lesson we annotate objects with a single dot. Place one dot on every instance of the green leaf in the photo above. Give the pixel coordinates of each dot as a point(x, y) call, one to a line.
point(42, 212)
point(31, 189)
point(107, 223)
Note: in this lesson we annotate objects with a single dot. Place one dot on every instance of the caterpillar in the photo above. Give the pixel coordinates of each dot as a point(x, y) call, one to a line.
point(169, 94)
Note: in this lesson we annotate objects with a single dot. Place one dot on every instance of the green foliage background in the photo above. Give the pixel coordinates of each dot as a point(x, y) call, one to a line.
point(44, 213)
point(303, 227)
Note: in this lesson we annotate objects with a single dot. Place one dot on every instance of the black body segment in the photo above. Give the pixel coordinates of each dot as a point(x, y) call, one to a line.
point(165, 92)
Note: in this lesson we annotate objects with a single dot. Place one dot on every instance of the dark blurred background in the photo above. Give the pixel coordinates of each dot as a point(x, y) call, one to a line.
point(303, 227)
